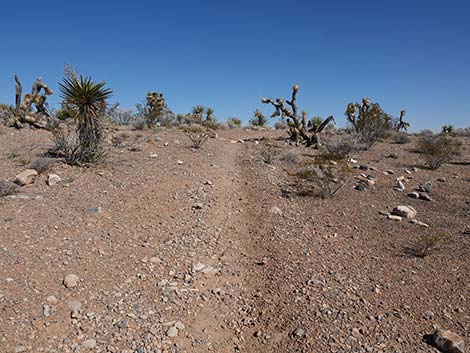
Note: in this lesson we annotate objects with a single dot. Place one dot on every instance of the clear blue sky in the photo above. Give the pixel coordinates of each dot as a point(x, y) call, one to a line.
point(412, 54)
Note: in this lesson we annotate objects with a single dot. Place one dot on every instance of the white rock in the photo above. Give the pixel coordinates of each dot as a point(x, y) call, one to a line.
point(276, 210)
point(26, 177)
point(53, 179)
point(404, 211)
point(172, 332)
point(71, 280)
point(89, 344)
point(394, 217)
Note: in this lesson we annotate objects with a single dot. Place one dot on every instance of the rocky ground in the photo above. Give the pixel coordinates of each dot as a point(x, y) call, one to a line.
point(161, 248)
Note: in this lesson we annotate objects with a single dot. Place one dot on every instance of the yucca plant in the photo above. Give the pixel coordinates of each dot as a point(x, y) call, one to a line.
point(87, 102)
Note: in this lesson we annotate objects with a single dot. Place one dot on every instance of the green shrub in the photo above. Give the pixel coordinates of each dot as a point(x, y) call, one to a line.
point(437, 150)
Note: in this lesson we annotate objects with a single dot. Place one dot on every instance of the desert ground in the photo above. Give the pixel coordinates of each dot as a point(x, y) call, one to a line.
point(214, 250)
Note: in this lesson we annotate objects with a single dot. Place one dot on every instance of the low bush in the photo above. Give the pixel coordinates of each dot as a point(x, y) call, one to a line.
point(41, 165)
point(234, 123)
point(269, 153)
point(423, 246)
point(437, 150)
point(400, 137)
point(7, 188)
point(279, 125)
point(318, 181)
point(291, 156)
point(197, 134)
point(342, 148)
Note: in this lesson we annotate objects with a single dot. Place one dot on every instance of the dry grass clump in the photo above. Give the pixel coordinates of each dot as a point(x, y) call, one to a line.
point(198, 135)
point(423, 246)
point(41, 165)
point(437, 149)
point(340, 149)
point(317, 181)
point(269, 153)
point(7, 188)
point(400, 137)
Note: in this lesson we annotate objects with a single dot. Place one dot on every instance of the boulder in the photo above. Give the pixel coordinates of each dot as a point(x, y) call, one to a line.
point(448, 342)
point(26, 177)
point(404, 211)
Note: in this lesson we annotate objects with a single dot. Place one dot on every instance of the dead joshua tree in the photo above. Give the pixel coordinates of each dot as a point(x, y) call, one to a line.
point(41, 118)
point(299, 130)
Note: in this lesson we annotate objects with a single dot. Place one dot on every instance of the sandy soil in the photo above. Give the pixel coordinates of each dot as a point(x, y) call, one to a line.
point(202, 251)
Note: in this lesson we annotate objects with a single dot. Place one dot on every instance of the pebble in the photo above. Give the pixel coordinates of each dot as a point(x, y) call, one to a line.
point(46, 310)
point(424, 196)
point(276, 210)
point(299, 332)
point(26, 177)
point(74, 305)
point(172, 332)
point(71, 280)
point(89, 344)
point(428, 315)
point(394, 217)
point(414, 195)
point(419, 223)
point(52, 299)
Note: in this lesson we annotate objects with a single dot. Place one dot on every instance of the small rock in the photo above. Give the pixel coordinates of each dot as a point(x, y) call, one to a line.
point(299, 332)
point(19, 349)
point(198, 267)
point(179, 325)
point(419, 223)
point(441, 179)
point(154, 155)
point(352, 160)
point(428, 315)
point(71, 280)
point(26, 177)
point(276, 210)
point(52, 299)
point(360, 187)
point(400, 186)
point(172, 332)
point(448, 342)
point(426, 187)
point(424, 196)
point(89, 344)
point(364, 167)
point(198, 206)
point(404, 211)
point(394, 217)
point(46, 310)
point(179, 162)
point(414, 195)
point(74, 305)
point(53, 179)
point(95, 210)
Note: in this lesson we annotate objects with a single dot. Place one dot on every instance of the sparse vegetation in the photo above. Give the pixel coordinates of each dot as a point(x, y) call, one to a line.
point(87, 100)
point(423, 246)
point(234, 123)
point(400, 137)
point(269, 153)
point(197, 134)
point(119, 116)
point(341, 148)
point(437, 150)
point(317, 180)
point(258, 119)
point(7, 188)
point(41, 165)
point(369, 121)
point(299, 128)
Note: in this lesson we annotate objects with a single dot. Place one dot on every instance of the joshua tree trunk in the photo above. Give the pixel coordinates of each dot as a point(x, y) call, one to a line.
point(18, 92)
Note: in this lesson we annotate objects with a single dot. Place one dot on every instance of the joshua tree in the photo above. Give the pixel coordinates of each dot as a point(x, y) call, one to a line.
point(369, 121)
point(448, 129)
point(154, 108)
point(18, 91)
point(400, 123)
point(299, 131)
point(87, 101)
point(258, 119)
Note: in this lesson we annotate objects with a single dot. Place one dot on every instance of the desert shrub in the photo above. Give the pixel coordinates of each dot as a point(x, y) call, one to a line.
point(291, 156)
point(269, 153)
point(448, 129)
point(7, 188)
point(119, 116)
point(462, 132)
point(6, 113)
point(139, 124)
point(234, 123)
point(400, 137)
point(279, 125)
point(41, 165)
point(258, 119)
point(68, 145)
point(425, 133)
point(197, 134)
point(423, 246)
point(318, 181)
point(118, 140)
point(368, 121)
point(64, 114)
point(341, 148)
point(87, 99)
point(437, 150)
